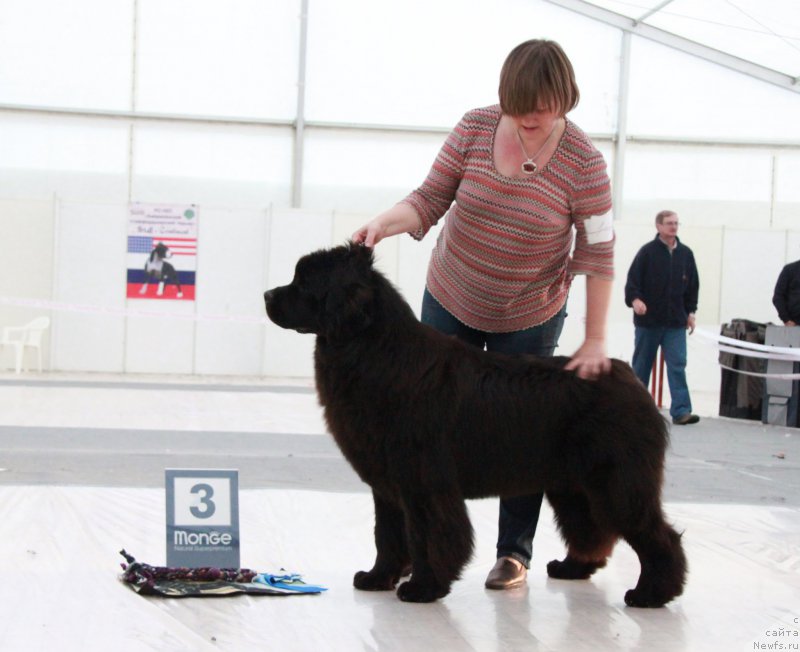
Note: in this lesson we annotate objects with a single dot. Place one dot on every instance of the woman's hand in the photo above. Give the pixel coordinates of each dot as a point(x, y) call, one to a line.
point(399, 219)
point(590, 360)
point(370, 234)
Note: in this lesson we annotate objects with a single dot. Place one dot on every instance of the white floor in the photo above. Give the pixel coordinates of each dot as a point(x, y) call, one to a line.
point(59, 561)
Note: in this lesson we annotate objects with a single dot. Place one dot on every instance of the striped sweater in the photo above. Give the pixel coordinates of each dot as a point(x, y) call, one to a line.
point(503, 261)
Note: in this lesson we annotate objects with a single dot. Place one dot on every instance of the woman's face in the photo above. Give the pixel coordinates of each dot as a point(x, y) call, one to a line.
point(536, 123)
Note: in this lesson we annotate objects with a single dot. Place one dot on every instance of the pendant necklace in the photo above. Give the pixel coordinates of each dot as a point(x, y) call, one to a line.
point(529, 166)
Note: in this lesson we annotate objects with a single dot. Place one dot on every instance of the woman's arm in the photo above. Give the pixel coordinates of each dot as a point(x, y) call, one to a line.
point(591, 359)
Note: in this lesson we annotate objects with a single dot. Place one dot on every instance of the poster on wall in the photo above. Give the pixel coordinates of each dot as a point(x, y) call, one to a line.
point(162, 251)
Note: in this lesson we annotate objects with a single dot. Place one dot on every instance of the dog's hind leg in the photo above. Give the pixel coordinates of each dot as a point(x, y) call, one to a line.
point(171, 276)
point(440, 541)
point(662, 559)
point(588, 544)
point(392, 560)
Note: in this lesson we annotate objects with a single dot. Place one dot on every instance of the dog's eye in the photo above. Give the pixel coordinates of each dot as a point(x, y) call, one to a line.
point(303, 290)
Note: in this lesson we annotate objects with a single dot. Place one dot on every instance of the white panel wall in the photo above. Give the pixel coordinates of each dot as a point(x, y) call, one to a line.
point(751, 263)
point(707, 186)
point(160, 344)
point(242, 252)
point(231, 166)
point(364, 172)
point(792, 246)
point(231, 275)
point(786, 213)
point(449, 64)
point(200, 57)
point(76, 158)
point(675, 93)
point(90, 276)
point(66, 54)
point(26, 243)
point(292, 235)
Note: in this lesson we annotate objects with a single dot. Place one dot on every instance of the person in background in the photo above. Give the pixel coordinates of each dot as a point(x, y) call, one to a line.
point(662, 288)
point(518, 184)
point(786, 297)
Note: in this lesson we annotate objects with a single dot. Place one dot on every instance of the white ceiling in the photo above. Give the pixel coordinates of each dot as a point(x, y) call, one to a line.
point(765, 32)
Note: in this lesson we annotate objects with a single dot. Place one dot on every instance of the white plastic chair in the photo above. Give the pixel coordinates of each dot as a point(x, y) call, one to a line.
point(24, 337)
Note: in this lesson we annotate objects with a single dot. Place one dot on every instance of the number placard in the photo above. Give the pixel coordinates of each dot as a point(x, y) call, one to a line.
point(202, 517)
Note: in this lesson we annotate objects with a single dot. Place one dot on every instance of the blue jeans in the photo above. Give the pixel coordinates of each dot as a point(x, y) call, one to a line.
point(673, 342)
point(519, 516)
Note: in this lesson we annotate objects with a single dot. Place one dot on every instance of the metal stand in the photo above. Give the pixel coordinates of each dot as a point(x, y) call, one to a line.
point(781, 394)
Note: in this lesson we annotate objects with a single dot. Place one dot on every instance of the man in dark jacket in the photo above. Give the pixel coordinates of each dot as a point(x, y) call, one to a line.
point(786, 297)
point(662, 289)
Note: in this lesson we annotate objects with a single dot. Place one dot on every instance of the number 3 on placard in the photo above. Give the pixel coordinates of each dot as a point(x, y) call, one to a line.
point(206, 492)
point(202, 500)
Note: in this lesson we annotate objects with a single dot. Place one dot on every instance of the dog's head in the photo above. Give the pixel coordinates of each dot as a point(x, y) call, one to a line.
point(330, 294)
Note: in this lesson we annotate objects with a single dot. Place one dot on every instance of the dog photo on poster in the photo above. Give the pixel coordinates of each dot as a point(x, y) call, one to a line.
point(162, 251)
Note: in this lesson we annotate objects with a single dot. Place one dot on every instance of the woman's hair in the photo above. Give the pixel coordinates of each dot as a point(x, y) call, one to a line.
point(537, 74)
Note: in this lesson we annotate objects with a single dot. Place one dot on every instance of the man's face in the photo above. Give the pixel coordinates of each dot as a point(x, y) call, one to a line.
point(669, 227)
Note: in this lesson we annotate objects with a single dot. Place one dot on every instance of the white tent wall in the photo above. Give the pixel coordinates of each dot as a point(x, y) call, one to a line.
point(90, 265)
point(288, 140)
point(710, 185)
point(27, 249)
point(421, 63)
point(672, 93)
point(80, 276)
point(225, 165)
point(75, 157)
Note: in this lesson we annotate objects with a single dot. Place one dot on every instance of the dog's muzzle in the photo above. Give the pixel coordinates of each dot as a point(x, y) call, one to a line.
point(269, 303)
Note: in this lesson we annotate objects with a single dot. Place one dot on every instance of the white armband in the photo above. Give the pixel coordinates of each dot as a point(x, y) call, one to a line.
point(599, 228)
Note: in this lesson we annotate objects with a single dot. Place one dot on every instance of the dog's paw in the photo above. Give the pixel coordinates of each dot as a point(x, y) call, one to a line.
point(371, 581)
point(569, 569)
point(643, 599)
point(412, 591)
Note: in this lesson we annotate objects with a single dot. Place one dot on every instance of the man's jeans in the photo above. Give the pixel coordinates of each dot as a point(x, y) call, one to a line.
point(673, 342)
point(519, 515)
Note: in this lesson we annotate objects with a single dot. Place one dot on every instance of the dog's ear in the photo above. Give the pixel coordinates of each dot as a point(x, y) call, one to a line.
point(347, 310)
point(347, 307)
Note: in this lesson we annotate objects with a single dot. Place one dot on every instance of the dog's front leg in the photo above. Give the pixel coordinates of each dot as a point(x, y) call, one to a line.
point(440, 541)
point(392, 560)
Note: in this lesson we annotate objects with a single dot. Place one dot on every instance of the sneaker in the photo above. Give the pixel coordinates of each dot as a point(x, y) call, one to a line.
point(685, 419)
point(507, 573)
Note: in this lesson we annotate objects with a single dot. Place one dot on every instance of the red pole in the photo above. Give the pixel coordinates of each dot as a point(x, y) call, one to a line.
point(654, 378)
point(657, 379)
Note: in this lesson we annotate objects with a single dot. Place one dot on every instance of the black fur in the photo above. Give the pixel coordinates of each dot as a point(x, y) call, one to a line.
point(428, 421)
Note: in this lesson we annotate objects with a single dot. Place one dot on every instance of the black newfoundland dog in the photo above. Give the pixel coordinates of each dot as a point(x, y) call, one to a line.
point(427, 421)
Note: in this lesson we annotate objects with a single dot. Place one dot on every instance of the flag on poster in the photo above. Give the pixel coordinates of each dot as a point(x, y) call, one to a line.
point(162, 251)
